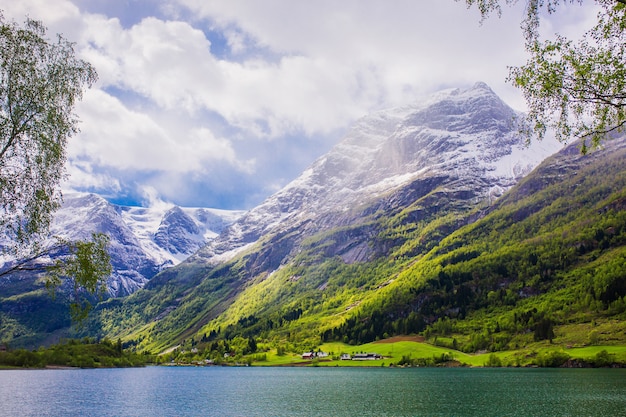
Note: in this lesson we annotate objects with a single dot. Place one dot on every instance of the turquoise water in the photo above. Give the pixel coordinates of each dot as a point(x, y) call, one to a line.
point(163, 391)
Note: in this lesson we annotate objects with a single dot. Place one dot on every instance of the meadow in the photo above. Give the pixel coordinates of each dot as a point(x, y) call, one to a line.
point(413, 351)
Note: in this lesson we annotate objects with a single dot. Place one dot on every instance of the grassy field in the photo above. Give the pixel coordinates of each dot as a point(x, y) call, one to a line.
point(412, 350)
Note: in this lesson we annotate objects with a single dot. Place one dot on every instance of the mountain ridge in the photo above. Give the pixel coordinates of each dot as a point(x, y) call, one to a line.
point(424, 167)
point(144, 240)
point(357, 169)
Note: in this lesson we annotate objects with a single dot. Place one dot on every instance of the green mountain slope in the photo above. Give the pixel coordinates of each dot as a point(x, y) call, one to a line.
point(29, 315)
point(197, 301)
point(547, 261)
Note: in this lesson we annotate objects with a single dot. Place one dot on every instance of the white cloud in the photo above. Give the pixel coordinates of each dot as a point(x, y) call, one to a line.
point(113, 135)
point(168, 62)
point(392, 50)
point(168, 104)
point(204, 143)
point(236, 41)
point(81, 176)
point(171, 64)
point(152, 198)
point(52, 13)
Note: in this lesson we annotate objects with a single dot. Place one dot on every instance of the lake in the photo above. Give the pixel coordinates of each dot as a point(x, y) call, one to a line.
point(257, 391)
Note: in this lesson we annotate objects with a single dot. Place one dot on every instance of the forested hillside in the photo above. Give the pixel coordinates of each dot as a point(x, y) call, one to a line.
point(548, 260)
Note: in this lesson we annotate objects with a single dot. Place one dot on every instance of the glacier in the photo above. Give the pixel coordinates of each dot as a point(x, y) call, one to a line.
point(143, 240)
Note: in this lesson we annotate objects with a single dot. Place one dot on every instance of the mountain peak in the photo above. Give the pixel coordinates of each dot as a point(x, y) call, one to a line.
point(143, 240)
point(470, 110)
point(480, 85)
point(463, 134)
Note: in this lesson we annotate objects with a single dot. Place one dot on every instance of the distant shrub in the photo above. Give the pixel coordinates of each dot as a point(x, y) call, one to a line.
point(594, 337)
point(493, 361)
point(603, 359)
point(552, 359)
point(260, 357)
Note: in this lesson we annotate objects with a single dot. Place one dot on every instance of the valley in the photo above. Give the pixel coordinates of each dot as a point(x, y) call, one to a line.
point(437, 255)
point(433, 220)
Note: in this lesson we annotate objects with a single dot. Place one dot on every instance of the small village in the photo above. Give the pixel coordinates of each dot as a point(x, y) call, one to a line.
point(311, 356)
point(344, 356)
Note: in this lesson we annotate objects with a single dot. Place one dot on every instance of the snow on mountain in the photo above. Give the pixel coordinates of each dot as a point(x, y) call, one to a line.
point(143, 240)
point(468, 136)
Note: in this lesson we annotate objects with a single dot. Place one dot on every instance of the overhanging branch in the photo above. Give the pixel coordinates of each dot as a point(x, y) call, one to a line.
point(29, 264)
point(606, 131)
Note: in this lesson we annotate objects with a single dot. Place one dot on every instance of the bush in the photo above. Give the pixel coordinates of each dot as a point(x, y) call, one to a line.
point(552, 359)
point(494, 361)
point(260, 357)
point(74, 353)
point(603, 359)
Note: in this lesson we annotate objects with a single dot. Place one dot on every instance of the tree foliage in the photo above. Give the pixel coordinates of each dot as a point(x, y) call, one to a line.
point(40, 82)
point(577, 88)
point(85, 353)
point(87, 266)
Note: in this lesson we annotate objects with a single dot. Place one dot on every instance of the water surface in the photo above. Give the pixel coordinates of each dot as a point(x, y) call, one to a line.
point(165, 391)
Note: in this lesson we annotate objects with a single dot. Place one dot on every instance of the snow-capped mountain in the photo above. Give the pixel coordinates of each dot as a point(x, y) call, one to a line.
point(392, 189)
point(143, 241)
point(466, 139)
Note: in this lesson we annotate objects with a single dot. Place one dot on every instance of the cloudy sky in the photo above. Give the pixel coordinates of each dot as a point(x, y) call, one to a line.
point(221, 103)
